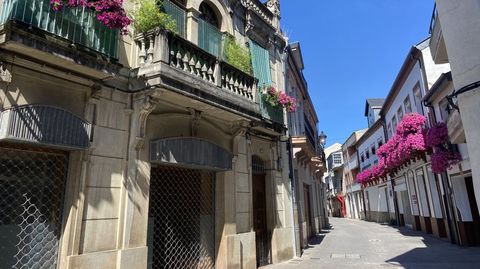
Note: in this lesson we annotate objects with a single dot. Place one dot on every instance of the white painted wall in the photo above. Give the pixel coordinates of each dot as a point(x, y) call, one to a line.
point(377, 199)
point(366, 145)
point(461, 30)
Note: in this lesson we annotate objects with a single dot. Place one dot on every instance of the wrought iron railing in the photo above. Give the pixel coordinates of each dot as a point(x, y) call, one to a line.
point(78, 25)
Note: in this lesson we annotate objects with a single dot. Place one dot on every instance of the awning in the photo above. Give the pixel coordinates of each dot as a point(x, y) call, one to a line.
point(190, 152)
point(47, 125)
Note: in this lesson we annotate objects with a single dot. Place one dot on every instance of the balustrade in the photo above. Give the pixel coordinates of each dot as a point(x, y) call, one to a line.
point(161, 46)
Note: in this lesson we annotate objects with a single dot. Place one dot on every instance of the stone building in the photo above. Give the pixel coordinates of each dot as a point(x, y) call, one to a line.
point(142, 151)
point(308, 161)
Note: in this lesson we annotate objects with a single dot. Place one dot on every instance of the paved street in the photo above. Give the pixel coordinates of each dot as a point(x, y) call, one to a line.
point(359, 244)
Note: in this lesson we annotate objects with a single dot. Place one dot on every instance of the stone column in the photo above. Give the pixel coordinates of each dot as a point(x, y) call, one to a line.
point(192, 25)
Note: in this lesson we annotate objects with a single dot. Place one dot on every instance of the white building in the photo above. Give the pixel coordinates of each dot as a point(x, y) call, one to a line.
point(352, 190)
point(455, 30)
point(377, 199)
point(460, 203)
point(417, 199)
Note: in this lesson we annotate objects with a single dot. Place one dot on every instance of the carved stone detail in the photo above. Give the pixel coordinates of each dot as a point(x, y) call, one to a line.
point(196, 118)
point(274, 6)
point(5, 75)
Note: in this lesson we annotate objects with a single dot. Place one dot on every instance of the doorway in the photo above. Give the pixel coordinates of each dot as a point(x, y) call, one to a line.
point(407, 212)
point(263, 236)
point(308, 210)
point(181, 228)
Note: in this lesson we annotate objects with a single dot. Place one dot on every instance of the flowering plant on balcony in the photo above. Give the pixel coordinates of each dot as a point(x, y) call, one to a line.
point(405, 145)
point(280, 99)
point(436, 139)
point(109, 12)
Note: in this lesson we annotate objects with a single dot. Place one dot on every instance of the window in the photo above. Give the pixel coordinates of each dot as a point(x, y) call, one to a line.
point(400, 114)
point(337, 158)
point(209, 35)
point(394, 123)
point(373, 150)
point(208, 14)
point(407, 105)
point(417, 94)
point(389, 130)
point(444, 109)
point(362, 158)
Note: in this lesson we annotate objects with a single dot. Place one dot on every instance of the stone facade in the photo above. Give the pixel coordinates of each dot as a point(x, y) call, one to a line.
point(149, 94)
point(307, 161)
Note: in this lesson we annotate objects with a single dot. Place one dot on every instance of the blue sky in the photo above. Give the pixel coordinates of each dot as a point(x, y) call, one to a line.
point(353, 50)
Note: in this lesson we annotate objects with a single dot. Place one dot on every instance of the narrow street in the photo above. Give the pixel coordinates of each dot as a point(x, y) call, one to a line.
point(360, 244)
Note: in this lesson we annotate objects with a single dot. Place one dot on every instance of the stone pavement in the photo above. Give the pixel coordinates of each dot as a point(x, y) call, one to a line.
point(360, 244)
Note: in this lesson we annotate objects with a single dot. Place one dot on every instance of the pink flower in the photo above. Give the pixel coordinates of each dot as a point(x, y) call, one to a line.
point(108, 12)
point(437, 135)
point(280, 99)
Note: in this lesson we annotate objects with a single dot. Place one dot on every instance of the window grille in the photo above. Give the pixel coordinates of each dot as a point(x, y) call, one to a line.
point(181, 219)
point(32, 187)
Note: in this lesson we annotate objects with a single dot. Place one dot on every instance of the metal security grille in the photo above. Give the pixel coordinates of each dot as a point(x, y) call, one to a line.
point(31, 197)
point(264, 248)
point(258, 165)
point(181, 232)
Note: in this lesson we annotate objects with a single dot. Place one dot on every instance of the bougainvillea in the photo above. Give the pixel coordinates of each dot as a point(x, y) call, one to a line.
point(108, 12)
point(436, 139)
point(406, 144)
point(280, 99)
point(410, 141)
point(411, 123)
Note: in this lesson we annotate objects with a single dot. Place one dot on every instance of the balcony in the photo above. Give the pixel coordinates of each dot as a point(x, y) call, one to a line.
point(353, 162)
point(456, 132)
point(169, 61)
point(437, 42)
point(76, 26)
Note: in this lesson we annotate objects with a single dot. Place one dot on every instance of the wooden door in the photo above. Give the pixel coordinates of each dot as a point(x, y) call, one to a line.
point(308, 212)
point(262, 235)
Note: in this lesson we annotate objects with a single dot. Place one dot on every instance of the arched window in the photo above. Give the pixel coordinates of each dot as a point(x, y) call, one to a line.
point(208, 14)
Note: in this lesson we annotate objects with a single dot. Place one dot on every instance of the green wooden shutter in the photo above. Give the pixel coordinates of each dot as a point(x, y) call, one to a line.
point(177, 14)
point(209, 38)
point(261, 64)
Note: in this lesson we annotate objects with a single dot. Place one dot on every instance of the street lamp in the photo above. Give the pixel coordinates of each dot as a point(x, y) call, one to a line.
point(322, 139)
